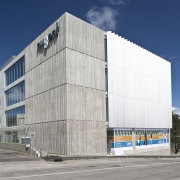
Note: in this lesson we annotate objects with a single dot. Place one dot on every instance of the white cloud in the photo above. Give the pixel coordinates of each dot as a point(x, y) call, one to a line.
point(104, 18)
point(172, 58)
point(169, 58)
point(116, 2)
point(176, 110)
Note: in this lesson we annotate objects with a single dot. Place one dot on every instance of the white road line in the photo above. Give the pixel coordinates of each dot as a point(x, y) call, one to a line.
point(88, 170)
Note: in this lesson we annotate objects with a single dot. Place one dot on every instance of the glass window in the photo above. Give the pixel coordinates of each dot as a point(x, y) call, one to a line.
point(15, 94)
point(105, 48)
point(11, 116)
point(15, 71)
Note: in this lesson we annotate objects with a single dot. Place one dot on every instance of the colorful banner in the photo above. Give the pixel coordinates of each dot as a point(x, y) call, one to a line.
point(123, 137)
point(155, 141)
point(121, 144)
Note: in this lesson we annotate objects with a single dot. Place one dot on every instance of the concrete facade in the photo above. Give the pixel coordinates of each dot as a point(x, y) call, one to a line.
point(66, 105)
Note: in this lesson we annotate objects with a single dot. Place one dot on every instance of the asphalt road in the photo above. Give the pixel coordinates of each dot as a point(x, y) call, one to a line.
point(14, 165)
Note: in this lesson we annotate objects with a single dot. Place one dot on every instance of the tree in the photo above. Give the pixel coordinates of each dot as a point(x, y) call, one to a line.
point(175, 133)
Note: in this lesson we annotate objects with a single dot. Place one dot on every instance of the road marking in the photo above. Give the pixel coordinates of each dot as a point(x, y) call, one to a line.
point(88, 170)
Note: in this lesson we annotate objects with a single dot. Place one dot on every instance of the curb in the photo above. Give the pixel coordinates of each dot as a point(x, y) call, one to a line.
point(65, 158)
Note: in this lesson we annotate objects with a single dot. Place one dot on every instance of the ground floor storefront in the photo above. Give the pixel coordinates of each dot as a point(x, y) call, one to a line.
point(122, 141)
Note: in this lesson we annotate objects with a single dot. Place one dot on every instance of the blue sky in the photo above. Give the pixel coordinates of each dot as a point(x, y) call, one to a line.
point(152, 24)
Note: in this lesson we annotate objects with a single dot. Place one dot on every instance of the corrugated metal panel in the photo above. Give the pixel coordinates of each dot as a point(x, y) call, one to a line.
point(139, 86)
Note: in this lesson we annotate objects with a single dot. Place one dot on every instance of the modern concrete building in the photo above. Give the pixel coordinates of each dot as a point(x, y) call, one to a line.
point(78, 90)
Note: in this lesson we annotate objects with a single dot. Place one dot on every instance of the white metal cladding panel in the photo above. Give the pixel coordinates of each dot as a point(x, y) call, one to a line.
point(139, 86)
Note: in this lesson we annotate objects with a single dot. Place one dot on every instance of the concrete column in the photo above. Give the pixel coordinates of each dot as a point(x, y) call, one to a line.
point(114, 138)
point(134, 138)
point(170, 137)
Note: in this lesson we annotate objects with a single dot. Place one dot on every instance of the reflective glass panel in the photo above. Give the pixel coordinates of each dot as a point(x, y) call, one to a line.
point(15, 94)
point(15, 71)
point(11, 116)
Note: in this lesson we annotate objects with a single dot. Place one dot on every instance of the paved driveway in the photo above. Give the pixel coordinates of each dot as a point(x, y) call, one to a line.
point(12, 156)
point(18, 166)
